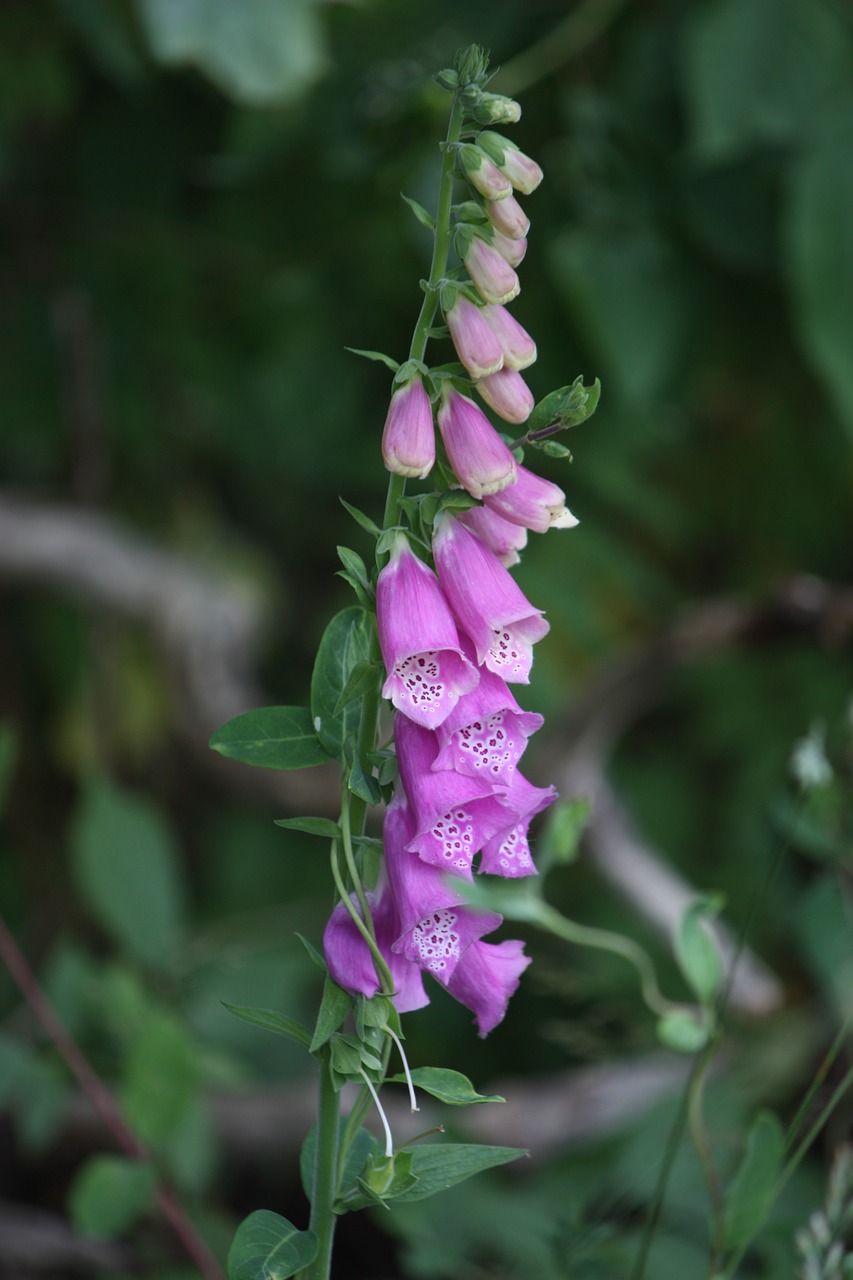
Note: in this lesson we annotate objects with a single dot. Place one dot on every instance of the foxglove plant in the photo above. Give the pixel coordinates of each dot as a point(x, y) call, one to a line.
point(440, 629)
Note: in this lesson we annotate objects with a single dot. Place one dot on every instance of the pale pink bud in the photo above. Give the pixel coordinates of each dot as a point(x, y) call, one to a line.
point(476, 343)
point(519, 349)
point(499, 535)
point(483, 173)
point(508, 217)
point(482, 462)
point(508, 394)
point(512, 251)
point(524, 173)
point(533, 502)
point(493, 278)
point(408, 440)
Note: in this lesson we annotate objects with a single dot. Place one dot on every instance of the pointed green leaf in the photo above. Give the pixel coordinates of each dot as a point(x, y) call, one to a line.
point(311, 826)
point(560, 839)
point(424, 218)
point(272, 737)
point(754, 1188)
point(334, 1008)
point(345, 644)
point(356, 567)
point(369, 526)
point(363, 784)
point(363, 677)
point(313, 953)
point(448, 1086)
point(268, 1247)
point(278, 1023)
point(375, 355)
point(445, 1164)
point(109, 1194)
point(697, 951)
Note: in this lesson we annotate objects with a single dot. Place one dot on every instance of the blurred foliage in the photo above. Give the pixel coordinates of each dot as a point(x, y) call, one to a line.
point(200, 211)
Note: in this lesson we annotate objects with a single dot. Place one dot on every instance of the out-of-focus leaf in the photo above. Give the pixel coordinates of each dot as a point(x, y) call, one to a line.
point(259, 51)
point(697, 951)
point(819, 260)
point(109, 1194)
point(160, 1079)
point(127, 870)
point(752, 1192)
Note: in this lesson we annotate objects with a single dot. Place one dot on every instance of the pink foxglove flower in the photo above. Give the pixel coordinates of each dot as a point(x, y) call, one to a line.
point(486, 733)
point(482, 462)
point(408, 440)
point(524, 173)
point(492, 277)
point(517, 346)
point(489, 606)
point(349, 959)
point(485, 979)
point(508, 217)
point(477, 345)
point(508, 394)
point(453, 814)
point(427, 670)
point(533, 502)
point(483, 173)
point(436, 928)
point(508, 851)
point(505, 539)
point(512, 251)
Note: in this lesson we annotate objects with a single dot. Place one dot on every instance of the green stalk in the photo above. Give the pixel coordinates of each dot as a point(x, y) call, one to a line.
point(325, 1181)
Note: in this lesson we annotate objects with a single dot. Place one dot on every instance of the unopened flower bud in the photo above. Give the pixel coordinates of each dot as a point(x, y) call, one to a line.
point(482, 462)
point(508, 217)
point(508, 394)
point(494, 108)
point(519, 349)
point(493, 277)
point(476, 343)
point(483, 173)
point(524, 173)
point(512, 251)
point(532, 502)
point(499, 535)
point(408, 440)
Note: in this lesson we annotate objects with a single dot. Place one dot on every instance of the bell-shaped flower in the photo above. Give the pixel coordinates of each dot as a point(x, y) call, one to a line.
point(508, 394)
point(427, 670)
point(351, 963)
point(489, 605)
point(408, 439)
point(492, 277)
point(508, 851)
point(511, 250)
point(486, 733)
point(482, 462)
point(524, 173)
point(477, 345)
point(435, 926)
point(485, 979)
point(533, 502)
point(501, 537)
point(508, 217)
point(517, 346)
point(453, 814)
point(483, 173)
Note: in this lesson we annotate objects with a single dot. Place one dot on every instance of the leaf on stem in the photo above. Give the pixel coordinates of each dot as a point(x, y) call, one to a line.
point(268, 1247)
point(278, 1023)
point(272, 737)
point(451, 1087)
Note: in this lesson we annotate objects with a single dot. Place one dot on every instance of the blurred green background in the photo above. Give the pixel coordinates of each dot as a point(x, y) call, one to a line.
point(200, 211)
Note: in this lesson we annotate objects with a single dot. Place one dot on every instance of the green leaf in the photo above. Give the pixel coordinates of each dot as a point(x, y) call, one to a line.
point(819, 259)
point(311, 826)
point(682, 1031)
point(8, 752)
point(424, 218)
point(260, 52)
point(278, 1023)
point(334, 1008)
point(385, 1178)
point(127, 869)
point(448, 1086)
point(272, 737)
point(313, 953)
point(363, 677)
point(394, 365)
point(560, 839)
point(363, 784)
point(696, 949)
point(445, 1164)
point(356, 567)
point(369, 526)
point(109, 1194)
point(345, 644)
point(566, 407)
point(268, 1247)
point(752, 1193)
point(161, 1078)
point(358, 1152)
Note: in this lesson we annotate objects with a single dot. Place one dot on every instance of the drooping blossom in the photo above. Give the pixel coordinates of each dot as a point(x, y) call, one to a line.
point(453, 814)
point(408, 439)
point(350, 961)
point(524, 173)
point(483, 173)
point(486, 733)
point(512, 250)
point(507, 853)
point(508, 394)
point(482, 462)
point(533, 502)
point(486, 978)
point(492, 277)
point(488, 604)
point(477, 345)
point(517, 346)
point(506, 540)
point(508, 217)
point(427, 670)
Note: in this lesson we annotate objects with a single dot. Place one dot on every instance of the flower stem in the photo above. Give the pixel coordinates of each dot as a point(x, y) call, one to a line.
point(325, 1180)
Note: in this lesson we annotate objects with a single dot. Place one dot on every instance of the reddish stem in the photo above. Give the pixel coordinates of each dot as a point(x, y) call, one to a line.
point(103, 1101)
